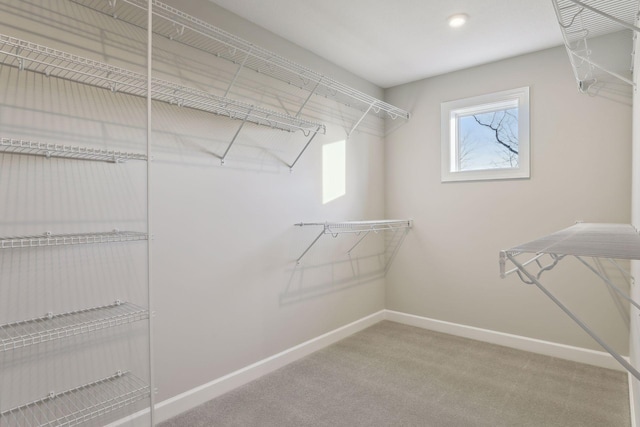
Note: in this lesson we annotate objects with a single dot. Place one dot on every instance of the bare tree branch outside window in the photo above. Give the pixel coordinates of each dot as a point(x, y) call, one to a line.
point(489, 140)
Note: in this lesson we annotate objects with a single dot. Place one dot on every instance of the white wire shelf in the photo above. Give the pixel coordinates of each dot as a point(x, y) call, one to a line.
point(40, 59)
point(354, 227)
point(599, 242)
point(53, 327)
point(617, 241)
point(19, 146)
point(48, 239)
point(79, 405)
point(187, 29)
point(582, 20)
point(358, 226)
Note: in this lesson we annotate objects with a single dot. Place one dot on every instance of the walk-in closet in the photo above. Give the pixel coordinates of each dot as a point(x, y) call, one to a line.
point(338, 213)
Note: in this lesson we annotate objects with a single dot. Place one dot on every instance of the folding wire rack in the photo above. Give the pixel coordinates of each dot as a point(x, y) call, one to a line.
point(31, 148)
point(189, 30)
point(610, 242)
point(48, 239)
point(53, 327)
point(582, 20)
point(26, 55)
point(79, 405)
point(354, 227)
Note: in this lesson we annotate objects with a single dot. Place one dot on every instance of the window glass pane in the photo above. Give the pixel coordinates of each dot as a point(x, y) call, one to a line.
point(486, 137)
point(488, 140)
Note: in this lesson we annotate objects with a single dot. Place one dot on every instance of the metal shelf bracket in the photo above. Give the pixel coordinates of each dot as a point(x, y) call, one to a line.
point(353, 227)
point(598, 241)
point(582, 20)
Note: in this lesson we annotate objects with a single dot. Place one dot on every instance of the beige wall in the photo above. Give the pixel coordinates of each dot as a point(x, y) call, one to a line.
point(580, 170)
point(634, 336)
point(228, 291)
point(226, 286)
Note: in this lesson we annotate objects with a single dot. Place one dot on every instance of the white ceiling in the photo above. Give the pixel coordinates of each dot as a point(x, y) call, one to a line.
point(390, 42)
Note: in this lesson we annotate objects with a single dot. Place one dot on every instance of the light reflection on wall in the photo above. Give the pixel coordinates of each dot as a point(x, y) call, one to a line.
point(334, 170)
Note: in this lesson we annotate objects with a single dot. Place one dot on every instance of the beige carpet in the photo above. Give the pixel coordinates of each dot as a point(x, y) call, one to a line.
point(397, 375)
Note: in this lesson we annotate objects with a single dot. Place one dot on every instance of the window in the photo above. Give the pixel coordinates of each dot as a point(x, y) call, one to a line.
point(486, 137)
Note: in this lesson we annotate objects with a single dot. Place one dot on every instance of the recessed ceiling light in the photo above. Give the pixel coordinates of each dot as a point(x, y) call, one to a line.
point(457, 20)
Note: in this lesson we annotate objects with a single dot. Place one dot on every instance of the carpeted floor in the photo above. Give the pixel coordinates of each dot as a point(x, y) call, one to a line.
point(397, 375)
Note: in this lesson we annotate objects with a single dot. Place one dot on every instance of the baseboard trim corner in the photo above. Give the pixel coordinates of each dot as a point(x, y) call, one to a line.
point(576, 354)
point(201, 394)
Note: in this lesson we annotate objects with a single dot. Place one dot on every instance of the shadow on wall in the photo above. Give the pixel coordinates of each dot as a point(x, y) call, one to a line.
point(197, 138)
point(608, 88)
point(309, 281)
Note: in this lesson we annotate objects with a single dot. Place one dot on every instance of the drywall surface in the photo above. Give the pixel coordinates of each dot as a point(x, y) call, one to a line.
point(580, 170)
point(634, 336)
point(226, 288)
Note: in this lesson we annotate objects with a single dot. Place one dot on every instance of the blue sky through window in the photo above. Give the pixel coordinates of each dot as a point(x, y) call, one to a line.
point(488, 140)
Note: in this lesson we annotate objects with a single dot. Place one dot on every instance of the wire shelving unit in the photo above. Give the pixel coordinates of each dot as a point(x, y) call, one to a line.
point(582, 20)
point(48, 239)
point(79, 405)
point(36, 58)
point(32, 148)
point(189, 30)
point(609, 242)
point(354, 227)
point(53, 327)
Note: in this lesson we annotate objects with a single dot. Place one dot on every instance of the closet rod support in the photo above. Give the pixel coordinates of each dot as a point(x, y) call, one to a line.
point(235, 77)
point(588, 83)
point(360, 120)
point(606, 280)
point(310, 246)
point(358, 242)
point(311, 93)
point(305, 148)
point(244, 121)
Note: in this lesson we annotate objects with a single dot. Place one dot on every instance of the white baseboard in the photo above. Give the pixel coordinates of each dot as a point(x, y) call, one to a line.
point(547, 348)
point(632, 401)
point(201, 394)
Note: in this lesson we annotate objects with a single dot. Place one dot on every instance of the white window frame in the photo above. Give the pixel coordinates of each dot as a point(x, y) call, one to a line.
point(450, 112)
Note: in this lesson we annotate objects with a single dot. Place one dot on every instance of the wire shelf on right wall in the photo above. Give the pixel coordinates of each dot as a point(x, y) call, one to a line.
point(582, 22)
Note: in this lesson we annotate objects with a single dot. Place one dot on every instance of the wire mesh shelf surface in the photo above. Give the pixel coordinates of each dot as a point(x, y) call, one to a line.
point(19, 146)
point(355, 227)
point(616, 241)
point(187, 29)
point(51, 62)
point(359, 226)
point(53, 327)
point(79, 405)
point(582, 20)
point(48, 239)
